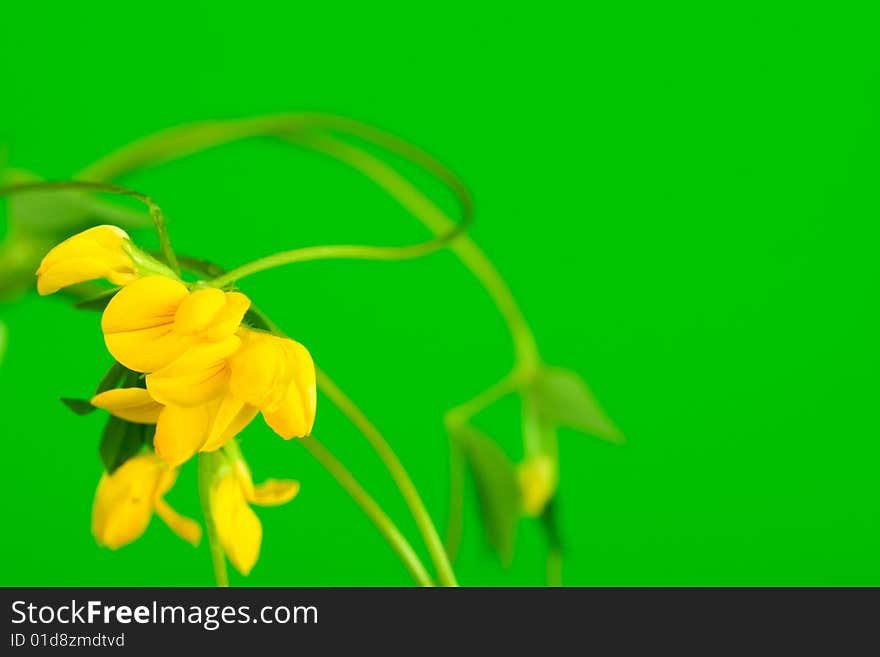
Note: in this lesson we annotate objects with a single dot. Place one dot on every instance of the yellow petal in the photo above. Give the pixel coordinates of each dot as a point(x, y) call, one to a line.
point(132, 404)
point(189, 530)
point(198, 311)
point(228, 319)
point(233, 415)
point(89, 255)
point(198, 376)
point(238, 527)
point(295, 415)
point(273, 492)
point(181, 431)
point(124, 501)
point(258, 369)
point(138, 323)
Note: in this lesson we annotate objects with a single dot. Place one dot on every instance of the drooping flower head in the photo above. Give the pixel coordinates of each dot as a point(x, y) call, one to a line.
point(126, 500)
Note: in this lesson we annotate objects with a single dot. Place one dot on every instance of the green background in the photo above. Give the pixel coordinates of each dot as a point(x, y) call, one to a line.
point(683, 199)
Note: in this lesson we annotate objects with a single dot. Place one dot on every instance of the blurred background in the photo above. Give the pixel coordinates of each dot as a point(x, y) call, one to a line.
point(682, 198)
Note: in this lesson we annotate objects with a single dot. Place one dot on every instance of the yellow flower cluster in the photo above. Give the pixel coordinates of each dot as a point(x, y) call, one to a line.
point(207, 377)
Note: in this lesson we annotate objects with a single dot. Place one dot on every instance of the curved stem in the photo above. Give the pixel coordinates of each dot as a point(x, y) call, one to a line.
point(398, 473)
point(155, 211)
point(186, 140)
point(459, 415)
point(218, 557)
point(438, 222)
point(335, 251)
point(373, 511)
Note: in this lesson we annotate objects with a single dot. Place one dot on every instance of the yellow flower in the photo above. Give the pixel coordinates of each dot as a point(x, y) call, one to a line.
point(95, 253)
point(238, 527)
point(207, 378)
point(181, 431)
point(155, 320)
point(126, 500)
point(277, 376)
point(537, 477)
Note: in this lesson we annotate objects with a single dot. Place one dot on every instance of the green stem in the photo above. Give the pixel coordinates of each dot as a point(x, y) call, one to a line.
point(459, 415)
point(434, 219)
point(373, 511)
point(336, 251)
point(398, 473)
point(218, 557)
point(189, 139)
point(386, 454)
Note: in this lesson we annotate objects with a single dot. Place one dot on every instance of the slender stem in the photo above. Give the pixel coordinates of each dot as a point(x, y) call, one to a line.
point(373, 511)
point(386, 454)
point(186, 140)
point(335, 251)
point(464, 412)
point(348, 482)
point(395, 468)
point(218, 557)
point(438, 222)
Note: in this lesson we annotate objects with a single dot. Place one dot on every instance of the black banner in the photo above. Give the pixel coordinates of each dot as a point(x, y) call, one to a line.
point(415, 620)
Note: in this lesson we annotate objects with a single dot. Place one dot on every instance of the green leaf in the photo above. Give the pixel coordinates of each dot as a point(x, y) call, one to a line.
point(60, 213)
point(78, 406)
point(497, 487)
point(120, 441)
point(563, 398)
point(112, 377)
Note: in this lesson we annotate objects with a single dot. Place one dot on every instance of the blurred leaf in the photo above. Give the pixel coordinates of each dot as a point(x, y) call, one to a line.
point(112, 377)
point(61, 213)
point(78, 406)
point(562, 397)
point(120, 441)
point(497, 488)
point(97, 302)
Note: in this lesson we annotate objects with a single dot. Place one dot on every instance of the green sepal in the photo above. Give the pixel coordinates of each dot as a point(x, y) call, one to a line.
point(563, 398)
point(497, 489)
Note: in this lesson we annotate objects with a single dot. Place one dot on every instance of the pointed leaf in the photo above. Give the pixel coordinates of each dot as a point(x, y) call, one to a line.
point(78, 406)
point(112, 377)
point(563, 398)
point(120, 441)
point(497, 488)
